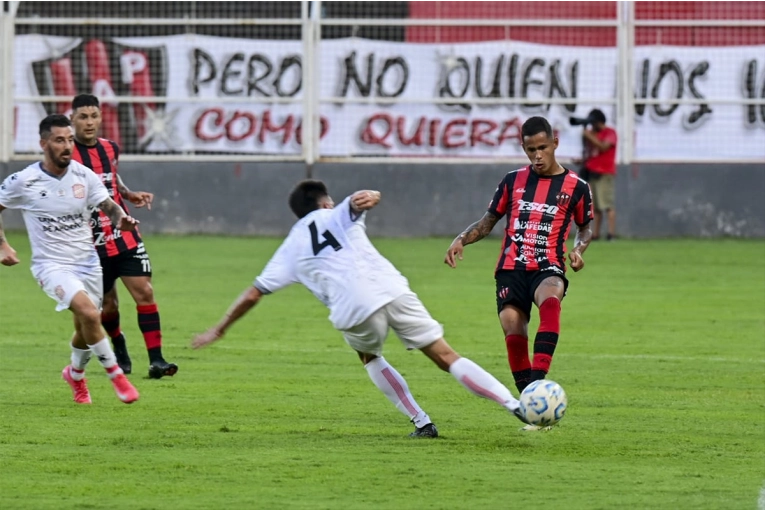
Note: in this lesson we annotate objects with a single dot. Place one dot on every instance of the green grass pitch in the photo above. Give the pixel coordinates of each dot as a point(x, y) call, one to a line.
point(662, 355)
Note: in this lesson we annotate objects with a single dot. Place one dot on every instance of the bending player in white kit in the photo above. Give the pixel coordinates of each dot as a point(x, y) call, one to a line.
point(328, 251)
point(56, 196)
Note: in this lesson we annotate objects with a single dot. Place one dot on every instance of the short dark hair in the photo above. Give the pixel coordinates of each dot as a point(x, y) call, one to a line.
point(535, 125)
point(597, 116)
point(51, 121)
point(84, 100)
point(305, 197)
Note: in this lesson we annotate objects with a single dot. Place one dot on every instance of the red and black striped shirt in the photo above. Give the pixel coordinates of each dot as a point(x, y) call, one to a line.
point(539, 210)
point(102, 158)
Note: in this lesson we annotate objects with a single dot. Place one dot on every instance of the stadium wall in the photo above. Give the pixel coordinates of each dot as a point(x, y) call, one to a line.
point(653, 200)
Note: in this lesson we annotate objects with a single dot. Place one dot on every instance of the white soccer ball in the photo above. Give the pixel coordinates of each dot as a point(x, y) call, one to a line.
point(543, 403)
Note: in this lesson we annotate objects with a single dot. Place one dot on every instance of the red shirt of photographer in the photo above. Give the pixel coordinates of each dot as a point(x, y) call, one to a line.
point(601, 161)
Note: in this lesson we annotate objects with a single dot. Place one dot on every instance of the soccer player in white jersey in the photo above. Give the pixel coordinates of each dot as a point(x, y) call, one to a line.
point(55, 196)
point(329, 252)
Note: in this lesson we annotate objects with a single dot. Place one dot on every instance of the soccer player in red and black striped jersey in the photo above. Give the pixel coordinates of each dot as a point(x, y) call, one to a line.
point(122, 254)
point(539, 201)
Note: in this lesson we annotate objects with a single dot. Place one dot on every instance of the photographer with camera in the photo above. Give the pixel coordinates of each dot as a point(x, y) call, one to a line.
point(599, 167)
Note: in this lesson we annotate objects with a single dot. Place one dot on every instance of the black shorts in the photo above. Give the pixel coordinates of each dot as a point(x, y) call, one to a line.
point(130, 263)
point(517, 287)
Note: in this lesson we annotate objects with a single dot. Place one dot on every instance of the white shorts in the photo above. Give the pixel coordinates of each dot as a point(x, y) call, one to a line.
point(61, 283)
point(406, 315)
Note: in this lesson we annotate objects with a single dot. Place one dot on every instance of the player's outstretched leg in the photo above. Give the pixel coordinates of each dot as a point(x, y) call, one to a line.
point(474, 378)
point(394, 387)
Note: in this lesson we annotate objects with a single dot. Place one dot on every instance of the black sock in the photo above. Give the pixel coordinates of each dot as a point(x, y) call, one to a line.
point(155, 354)
point(118, 342)
point(538, 375)
point(546, 339)
point(523, 378)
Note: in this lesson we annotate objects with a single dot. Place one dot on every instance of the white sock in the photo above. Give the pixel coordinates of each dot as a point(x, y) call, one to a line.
point(480, 382)
point(80, 358)
point(394, 386)
point(106, 357)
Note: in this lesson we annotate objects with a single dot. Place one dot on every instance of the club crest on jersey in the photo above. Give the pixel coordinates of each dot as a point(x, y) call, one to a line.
point(78, 190)
point(563, 199)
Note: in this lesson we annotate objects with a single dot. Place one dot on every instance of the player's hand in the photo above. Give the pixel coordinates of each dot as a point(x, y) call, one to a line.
point(206, 338)
point(141, 198)
point(575, 260)
point(454, 252)
point(8, 255)
point(128, 224)
point(365, 199)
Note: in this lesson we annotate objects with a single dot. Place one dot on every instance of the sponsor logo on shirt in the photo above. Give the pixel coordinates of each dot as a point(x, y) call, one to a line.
point(61, 223)
point(101, 238)
point(530, 238)
point(537, 207)
point(532, 225)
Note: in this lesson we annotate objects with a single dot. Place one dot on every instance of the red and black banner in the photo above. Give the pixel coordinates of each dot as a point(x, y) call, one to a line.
point(108, 69)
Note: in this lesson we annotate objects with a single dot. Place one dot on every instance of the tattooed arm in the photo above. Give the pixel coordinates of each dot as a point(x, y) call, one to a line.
point(137, 198)
point(7, 253)
point(122, 188)
point(470, 235)
point(581, 242)
point(117, 216)
point(478, 230)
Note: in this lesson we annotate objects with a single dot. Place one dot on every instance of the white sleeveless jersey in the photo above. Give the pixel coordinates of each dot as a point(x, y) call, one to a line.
point(329, 252)
point(56, 212)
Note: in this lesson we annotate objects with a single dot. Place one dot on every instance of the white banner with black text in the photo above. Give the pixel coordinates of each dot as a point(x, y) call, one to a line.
point(390, 88)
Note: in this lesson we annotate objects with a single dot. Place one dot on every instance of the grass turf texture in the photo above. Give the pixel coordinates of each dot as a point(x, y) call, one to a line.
point(662, 355)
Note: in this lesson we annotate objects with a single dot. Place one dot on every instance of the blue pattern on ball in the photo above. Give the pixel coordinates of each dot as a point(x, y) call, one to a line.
point(543, 403)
